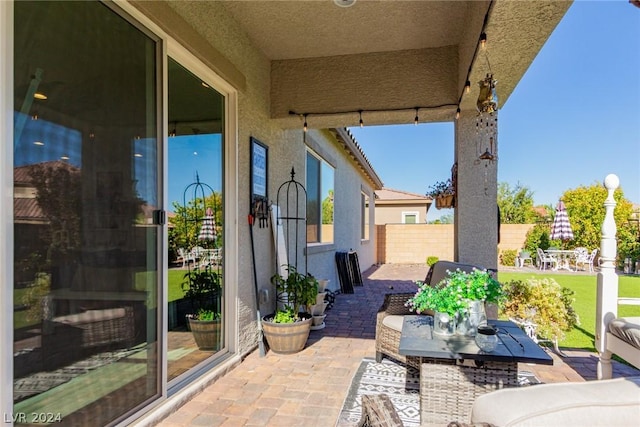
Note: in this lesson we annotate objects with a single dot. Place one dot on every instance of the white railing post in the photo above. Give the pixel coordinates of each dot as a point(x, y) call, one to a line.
point(607, 291)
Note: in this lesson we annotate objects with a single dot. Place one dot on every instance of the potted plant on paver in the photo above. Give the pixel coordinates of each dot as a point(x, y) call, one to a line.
point(203, 288)
point(443, 193)
point(287, 330)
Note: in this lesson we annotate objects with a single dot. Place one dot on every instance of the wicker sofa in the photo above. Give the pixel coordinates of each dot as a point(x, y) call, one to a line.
point(391, 314)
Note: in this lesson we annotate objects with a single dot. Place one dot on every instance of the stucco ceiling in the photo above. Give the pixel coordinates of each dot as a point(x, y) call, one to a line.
point(385, 57)
point(319, 28)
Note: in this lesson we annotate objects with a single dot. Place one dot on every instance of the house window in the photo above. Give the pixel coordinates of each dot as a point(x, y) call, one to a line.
point(364, 217)
point(320, 199)
point(410, 217)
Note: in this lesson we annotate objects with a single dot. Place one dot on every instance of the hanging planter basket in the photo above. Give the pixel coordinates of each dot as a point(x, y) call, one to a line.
point(445, 201)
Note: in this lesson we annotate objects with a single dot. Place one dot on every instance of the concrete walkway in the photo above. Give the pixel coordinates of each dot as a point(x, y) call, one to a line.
point(308, 388)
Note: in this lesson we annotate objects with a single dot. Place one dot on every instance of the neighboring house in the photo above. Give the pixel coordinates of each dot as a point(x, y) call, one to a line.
point(401, 207)
point(145, 98)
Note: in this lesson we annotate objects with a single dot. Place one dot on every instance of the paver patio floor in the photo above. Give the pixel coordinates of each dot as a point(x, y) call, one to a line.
point(308, 388)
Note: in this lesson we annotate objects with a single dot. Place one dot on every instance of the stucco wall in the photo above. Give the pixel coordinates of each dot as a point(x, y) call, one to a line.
point(286, 150)
point(413, 243)
point(392, 214)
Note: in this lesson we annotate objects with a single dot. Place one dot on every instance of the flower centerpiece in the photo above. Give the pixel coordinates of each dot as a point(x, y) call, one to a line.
point(443, 193)
point(458, 301)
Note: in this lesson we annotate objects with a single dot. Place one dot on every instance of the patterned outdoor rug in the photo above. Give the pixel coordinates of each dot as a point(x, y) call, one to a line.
point(400, 383)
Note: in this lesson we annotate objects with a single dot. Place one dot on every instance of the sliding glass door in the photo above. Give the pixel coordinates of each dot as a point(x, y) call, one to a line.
point(86, 197)
point(195, 306)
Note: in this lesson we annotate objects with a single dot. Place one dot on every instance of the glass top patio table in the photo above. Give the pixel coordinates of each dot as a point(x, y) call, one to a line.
point(448, 383)
point(514, 345)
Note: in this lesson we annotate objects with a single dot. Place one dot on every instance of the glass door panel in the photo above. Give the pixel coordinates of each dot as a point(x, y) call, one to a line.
point(86, 185)
point(196, 256)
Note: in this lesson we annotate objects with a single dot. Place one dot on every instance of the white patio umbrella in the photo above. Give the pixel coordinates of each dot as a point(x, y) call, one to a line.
point(561, 228)
point(208, 229)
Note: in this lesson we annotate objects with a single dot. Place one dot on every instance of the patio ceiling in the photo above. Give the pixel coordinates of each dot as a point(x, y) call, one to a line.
point(385, 57)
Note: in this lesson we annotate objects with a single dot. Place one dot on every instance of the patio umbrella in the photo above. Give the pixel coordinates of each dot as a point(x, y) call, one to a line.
point(561, 228)
point(208, 229)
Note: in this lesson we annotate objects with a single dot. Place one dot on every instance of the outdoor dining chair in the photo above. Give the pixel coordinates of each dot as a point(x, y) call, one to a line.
point(586, 260)
point(523, 257)
point(545, 259)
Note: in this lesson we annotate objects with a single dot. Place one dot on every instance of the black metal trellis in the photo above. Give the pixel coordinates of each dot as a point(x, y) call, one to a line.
point(201, 214)
point(292, 202)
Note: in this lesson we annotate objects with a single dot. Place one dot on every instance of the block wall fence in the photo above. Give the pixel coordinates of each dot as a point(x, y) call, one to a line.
point(413, 243)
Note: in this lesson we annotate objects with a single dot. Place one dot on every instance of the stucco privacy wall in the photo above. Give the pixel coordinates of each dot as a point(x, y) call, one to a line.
point(413, 243)
point(232, 51)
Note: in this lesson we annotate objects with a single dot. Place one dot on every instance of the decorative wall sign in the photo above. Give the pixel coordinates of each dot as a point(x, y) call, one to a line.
point(259, 179)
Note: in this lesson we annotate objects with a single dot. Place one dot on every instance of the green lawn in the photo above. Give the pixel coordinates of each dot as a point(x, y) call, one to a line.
point(175, 284)
point(582, 336)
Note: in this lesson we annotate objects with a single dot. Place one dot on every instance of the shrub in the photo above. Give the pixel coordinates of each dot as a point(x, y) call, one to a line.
point(543, 302)
point(537, 237)
point(432, 260)
point(508, 257)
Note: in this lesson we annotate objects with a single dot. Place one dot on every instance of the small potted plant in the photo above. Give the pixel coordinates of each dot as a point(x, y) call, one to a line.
point(288, 329)
point(443, 193)
point(458, 302)
point(202, 287)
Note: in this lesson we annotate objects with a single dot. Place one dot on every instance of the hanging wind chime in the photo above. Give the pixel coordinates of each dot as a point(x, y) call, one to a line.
point(487, 119)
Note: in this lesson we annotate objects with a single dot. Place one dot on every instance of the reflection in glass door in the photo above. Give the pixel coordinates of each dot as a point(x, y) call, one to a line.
point(196, 257)
point(85, 187)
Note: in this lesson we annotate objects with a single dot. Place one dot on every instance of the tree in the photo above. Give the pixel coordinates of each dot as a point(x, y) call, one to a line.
point(327, 209)
point(185, 225)
point(585, 207)
point(444, 219)
point(516, 205)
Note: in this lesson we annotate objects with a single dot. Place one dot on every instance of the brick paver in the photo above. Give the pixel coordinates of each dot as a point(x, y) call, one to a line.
point(308, 388)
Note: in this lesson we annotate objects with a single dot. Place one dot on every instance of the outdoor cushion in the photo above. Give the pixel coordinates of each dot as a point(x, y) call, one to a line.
point(627, 329)
point(591, 403)
point(91, 316)
point(394, 322)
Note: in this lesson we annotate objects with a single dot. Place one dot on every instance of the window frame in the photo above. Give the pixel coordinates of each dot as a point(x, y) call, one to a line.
point(406, 214)
point(321, 162)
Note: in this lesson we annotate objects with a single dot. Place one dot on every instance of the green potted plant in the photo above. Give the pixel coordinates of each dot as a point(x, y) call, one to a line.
point(288, 329)
point(203, 288)
point(458, 300)
point(443, 193)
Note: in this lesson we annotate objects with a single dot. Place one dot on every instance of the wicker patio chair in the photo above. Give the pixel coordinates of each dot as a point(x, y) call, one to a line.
point(391, 314)
point(388, 326)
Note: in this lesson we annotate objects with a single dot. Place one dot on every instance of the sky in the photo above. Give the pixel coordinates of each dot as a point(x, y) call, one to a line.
point(573, 119)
